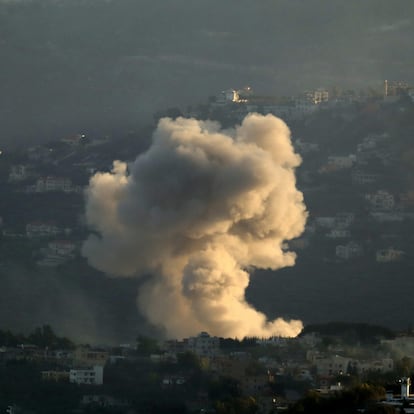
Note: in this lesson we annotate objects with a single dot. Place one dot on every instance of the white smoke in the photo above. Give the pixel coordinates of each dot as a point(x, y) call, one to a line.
point(197, 210)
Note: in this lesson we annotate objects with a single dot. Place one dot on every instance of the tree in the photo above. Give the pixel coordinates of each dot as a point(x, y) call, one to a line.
point(146, 345)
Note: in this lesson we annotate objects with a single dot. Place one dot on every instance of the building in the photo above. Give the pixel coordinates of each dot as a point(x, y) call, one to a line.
point(337, 233)
point(228, 96)
point(317, 96)
point(381, 200)
point(364, 177)
point(62, 247)
point(73, 140)
point(41, 229)
point(363, 367)
point(18, 173)
point(55, 376)
point(93, 376)
point(349, 251)
point(344, 219)
point(204, 345)
point(402, 345)
point(389, 255)
point(332, 365)
point(85, 356)
point(50, 183)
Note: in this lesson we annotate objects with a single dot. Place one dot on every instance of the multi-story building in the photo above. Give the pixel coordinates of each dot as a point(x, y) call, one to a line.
point(92, 376)
point(332, 365)
point(41, 229)
point(381, 200)
point(51, 183)
point(84, 356)
point(349, 250)
point(204, 345)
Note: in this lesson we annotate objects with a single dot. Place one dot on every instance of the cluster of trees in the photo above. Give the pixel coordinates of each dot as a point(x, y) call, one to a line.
point(351, 333)
point(43, 337)
point(360, 397)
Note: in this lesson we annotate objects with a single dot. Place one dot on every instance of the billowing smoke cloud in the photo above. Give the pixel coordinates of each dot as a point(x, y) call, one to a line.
point(198, 210)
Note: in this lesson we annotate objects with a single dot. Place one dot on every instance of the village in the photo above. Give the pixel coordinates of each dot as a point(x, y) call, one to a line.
point(204, 373)
point(357, 184)
point(357, 180)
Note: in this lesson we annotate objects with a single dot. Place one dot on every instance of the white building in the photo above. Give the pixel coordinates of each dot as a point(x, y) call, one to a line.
point(228, 96)
point(317, 96)
point(344, 219)
point(379, 365)
point(50, 183)
point(326, 222)
point(92, 376)
point(363, 177)
point(349, 251)
point(381, 200)
point(204, 345)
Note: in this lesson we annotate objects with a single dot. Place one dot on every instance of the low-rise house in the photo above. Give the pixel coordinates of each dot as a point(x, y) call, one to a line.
point(254, 384)
point(360, 176)
point(85, 356)
point(344, 219)
point(41, 229)
point(326, 222)
point(349, 251)
point(407, 199)
point(103, 401)
point(402, 345)
point(381, 200)
point(384, 217)
point(229, 366)
point(204, 345)
point(381, 366)
point(19, 172)
point(306, 147)
point(93, 376)
point(62, 247)
point(389, 255)
point(309, 340)
point(73, 140)
point(55, 376)
point(51, 183)
point(57, 253)
point(173, 346)
point(332, 365)
point(336, 163)
point(338, 234)
point(276, 341)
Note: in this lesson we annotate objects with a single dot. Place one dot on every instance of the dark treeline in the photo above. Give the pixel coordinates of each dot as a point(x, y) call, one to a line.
point(363, 333)
point(43, 337)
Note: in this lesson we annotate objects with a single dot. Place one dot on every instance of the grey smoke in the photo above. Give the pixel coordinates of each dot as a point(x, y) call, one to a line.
point(197, 210)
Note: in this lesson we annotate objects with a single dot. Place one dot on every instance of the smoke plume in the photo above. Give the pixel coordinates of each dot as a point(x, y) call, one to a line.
point(198, 210)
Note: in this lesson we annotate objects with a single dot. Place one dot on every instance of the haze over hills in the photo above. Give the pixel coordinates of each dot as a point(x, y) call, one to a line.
point(104, 65)
point(360, 284)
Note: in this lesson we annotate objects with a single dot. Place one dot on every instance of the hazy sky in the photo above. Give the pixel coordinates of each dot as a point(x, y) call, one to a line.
point(90, 64)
